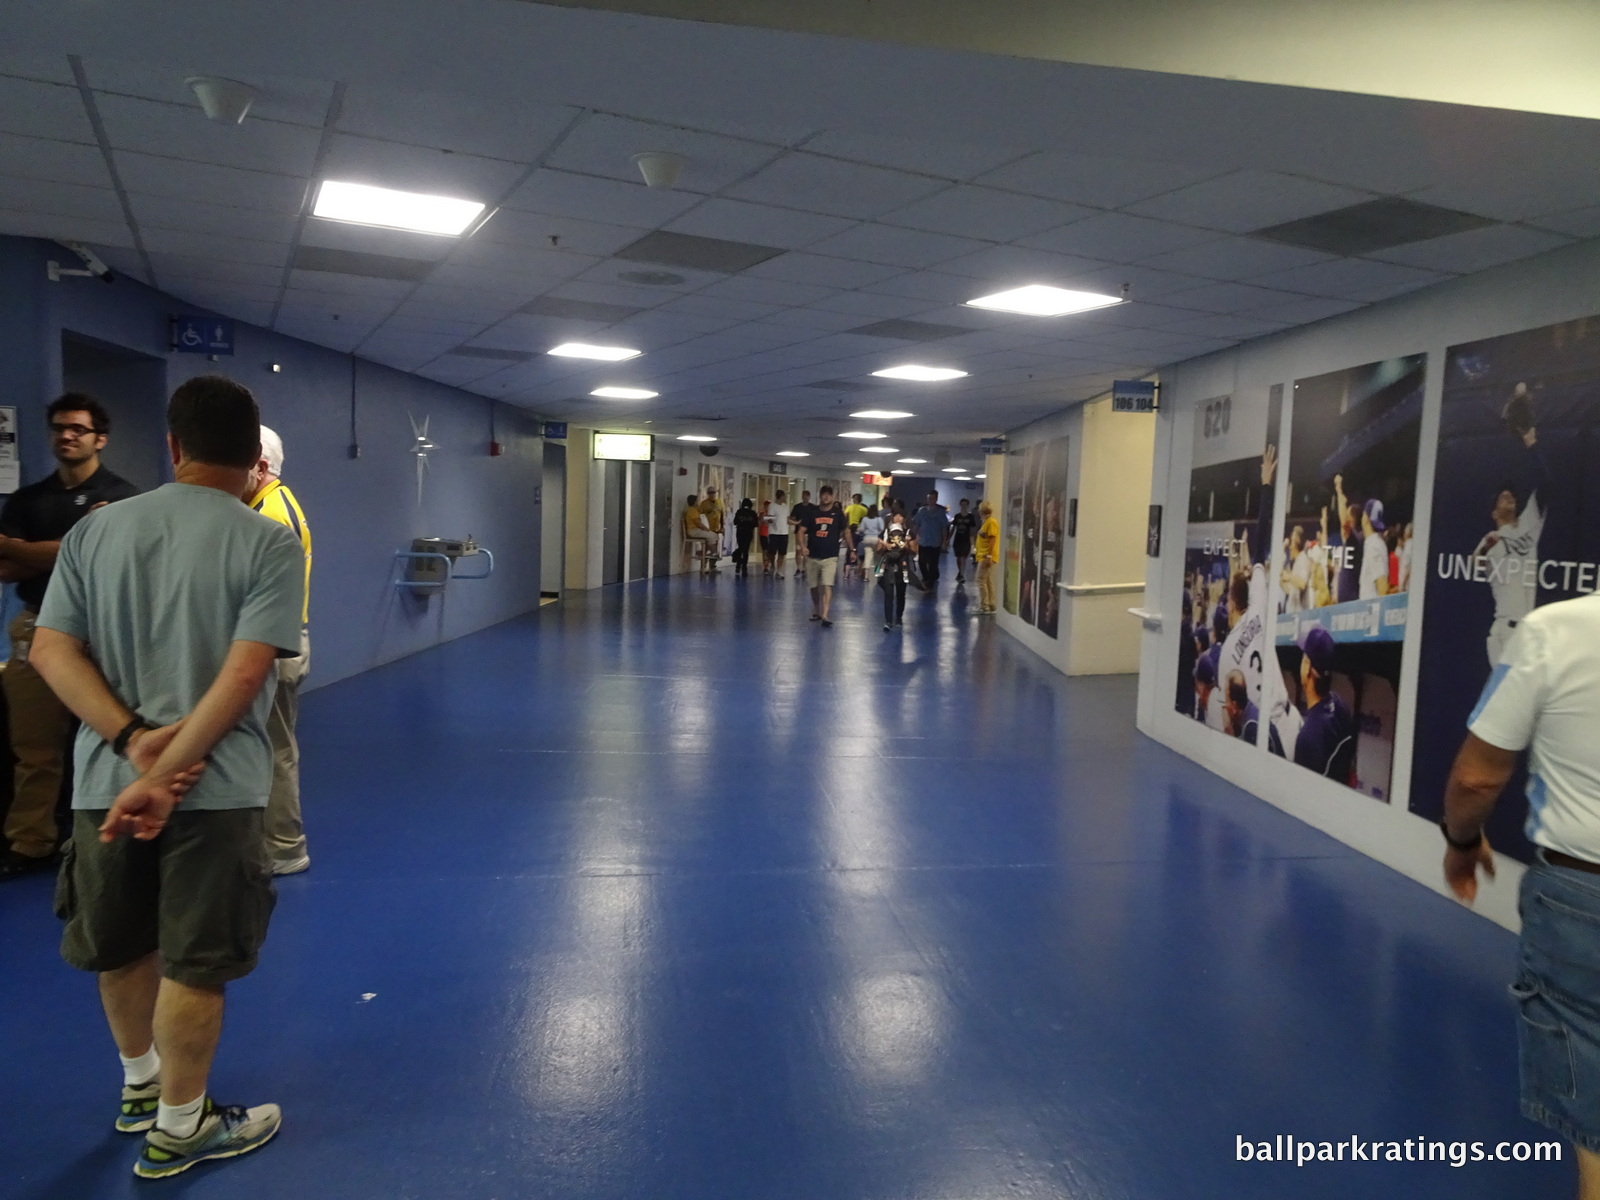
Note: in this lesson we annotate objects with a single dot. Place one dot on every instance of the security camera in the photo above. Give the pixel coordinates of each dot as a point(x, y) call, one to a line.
point(91, 262)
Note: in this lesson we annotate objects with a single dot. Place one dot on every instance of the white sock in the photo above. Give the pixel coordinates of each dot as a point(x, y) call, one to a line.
point(180, 1120)
point(141, 1070)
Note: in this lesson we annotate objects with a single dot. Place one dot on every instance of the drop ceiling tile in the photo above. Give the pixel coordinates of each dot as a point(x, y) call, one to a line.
point(818, 319)
point(418, 168)
point(720, 307)
point(289, 99)
point(668, 328)
point(1120, 237)
point(331, 306)
point(1475, 250)
point(314, 327)
point(150, 127)
point(1230, 298)
point(60, 199)
point(614, 201)
point(1000, 267)
point(1352, 279)
point(864, 304)
point(768, 291)
point(833, 187)
point(255, 312)
point(167, 212)
point(58, 162)
point(453, 303)
point(758, 224)
point(472, 277)
point(215, 294)
point(48, 110)
point(185, 266)
point(1087, 179)
point(458, 122)
point(822, 270)
point(154, 175)
point(1229, 259)
point(605, 145)
point(613, 293)
point(947, 160)
point(1306, 309)
point(431, 327)
point(572, 234)
point(357, 289)
point(367, 239)
point(36, 65)
point(1578, 223)
point(967, 211)
point(934, 287)
point(536, 261)
point(1225, 326)
point(1247, 200)
point(399, 352)
point(896, 247)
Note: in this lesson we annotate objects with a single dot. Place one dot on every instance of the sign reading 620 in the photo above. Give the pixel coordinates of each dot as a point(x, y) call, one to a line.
point(1217, 414)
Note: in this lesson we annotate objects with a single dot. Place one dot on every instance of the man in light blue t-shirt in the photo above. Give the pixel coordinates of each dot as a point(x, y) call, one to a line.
point(931, 524)
point(160, 630)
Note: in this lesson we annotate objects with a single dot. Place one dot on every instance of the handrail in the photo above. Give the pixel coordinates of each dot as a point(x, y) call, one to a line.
point(449, 568)
point(1152, 620)
point(1100, 589)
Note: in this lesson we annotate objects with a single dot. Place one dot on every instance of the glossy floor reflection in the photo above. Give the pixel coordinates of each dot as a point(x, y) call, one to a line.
point(664, 892)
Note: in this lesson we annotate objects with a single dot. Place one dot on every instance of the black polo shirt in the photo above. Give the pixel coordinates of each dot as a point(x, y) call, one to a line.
point(44, 511)
point(824, 527)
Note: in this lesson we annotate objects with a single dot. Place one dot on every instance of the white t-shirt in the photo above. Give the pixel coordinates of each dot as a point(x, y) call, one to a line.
point(1545, 697)
point(1245, 648)
point(1374, 566)
point(777, 519)
point(1513, 570)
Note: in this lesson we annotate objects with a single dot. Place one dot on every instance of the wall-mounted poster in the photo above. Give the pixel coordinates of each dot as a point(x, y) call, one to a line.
point(1052, 500)
point(1223, 649)
point(1344, 575)
point(1016, 478)
point(1515, 524)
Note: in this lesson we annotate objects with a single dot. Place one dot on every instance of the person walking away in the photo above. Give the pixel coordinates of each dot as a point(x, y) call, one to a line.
point(797, 519)
point(854, 513)
point(896, 547)
point(962, 527)
point(286, 832)
point(1544, 698)
point(745, 521)
point(32, 524)
point(931, 524)
point(169, 902)
point(867, 534)
point(821, 535)
point(986, 544)
point(779, 518)
point(697, 529)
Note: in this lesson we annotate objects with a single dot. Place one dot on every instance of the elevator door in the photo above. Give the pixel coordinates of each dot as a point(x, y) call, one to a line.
point(613, 529)
point(638, 520)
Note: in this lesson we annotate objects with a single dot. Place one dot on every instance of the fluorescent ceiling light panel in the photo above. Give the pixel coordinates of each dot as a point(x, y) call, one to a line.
point(860, 434)
point(963, 478)
point(623, 393)
point(1040, 300)
point(954, 468)
point(880, 414)
point(920, 374)
point(911, 460)
point(902, 472)
point(880, 450)
point(695, 437)
point(857, 464)
point(980, 477)
point(602, 353)
point(362, 204)
point(794, 454)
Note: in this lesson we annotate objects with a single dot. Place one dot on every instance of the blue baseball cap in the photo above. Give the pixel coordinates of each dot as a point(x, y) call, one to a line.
point(1205, 671)
point(1318, 646)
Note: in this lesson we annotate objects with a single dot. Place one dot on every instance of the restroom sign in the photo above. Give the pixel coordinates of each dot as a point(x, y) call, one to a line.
point(202, 335)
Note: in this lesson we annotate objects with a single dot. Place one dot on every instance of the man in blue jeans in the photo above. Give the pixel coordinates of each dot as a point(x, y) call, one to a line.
point(931, 524)
point(1544, 697)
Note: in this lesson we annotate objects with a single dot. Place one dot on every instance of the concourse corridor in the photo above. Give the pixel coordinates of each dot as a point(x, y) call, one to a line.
point(663, 892)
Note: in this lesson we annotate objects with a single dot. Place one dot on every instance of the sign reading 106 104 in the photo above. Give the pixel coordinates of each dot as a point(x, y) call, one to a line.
point(202, 335)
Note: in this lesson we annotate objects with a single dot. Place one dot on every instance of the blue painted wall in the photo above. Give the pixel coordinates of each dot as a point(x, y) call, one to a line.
point(360, 510)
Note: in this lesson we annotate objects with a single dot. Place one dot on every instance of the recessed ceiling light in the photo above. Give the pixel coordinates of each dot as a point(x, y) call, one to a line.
point(963, 478)
point(859, 434)
point(953, 468)
point(881, 414)
point(362, 204)
point(902, 472)
point(695, 437)
point(911, 460)
point(857, 464)
point(980, 477)
point(880, 450)
point(920, 374)
point(794, 454)
point(1040, 300)
point(623, 393)
point(603, 353)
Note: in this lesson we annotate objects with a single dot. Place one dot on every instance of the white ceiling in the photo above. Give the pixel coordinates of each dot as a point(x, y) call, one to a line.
point(877, 225)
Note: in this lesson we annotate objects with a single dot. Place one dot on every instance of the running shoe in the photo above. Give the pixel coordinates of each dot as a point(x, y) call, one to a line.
point(139, 1106)
point(226, 1131)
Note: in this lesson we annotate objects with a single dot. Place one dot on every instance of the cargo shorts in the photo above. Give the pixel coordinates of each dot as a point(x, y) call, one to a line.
point(200, 894)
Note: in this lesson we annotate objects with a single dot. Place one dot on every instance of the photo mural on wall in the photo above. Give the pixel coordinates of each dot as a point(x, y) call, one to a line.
point(1343, 570)
point(1226, 613)
point(1035, 532)
point(1515, 524)
point(1016, 479)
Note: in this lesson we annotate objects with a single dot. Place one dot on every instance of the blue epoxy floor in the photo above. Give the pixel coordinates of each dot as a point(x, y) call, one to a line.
point(664, 892)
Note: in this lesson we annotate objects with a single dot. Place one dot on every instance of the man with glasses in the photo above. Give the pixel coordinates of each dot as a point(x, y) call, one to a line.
point(32, 524)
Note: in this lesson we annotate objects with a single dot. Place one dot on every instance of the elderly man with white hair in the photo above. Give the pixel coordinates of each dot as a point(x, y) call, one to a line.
point(286, 835)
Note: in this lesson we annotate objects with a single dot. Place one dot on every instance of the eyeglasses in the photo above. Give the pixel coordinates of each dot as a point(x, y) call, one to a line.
point(76, 431)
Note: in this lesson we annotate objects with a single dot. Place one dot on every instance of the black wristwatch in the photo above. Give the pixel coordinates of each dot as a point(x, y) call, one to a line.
point(1471, 844)
point(119, 746)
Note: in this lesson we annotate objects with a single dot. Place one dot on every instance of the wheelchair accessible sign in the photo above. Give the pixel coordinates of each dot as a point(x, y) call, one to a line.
point(202, 335)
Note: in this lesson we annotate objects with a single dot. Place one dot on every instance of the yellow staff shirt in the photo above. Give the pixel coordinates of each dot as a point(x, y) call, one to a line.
point(988, 541)
point(278, 502)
